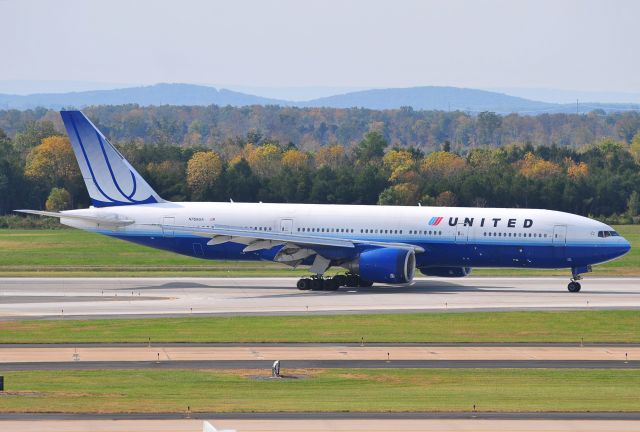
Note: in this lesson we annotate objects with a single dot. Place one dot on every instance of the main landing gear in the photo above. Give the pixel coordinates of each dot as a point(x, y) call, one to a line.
point(319, 283)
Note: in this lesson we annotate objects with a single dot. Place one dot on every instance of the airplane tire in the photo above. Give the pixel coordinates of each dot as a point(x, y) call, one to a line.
point(340, 280)
point(352, 281)
point(330, 285)
point(316, 284)
point(304, 284)
point(574, 287)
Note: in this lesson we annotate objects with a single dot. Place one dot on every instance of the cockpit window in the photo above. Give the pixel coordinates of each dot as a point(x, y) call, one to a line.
point(608, 234)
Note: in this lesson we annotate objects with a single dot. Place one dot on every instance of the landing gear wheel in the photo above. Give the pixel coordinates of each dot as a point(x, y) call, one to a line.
point(574, 286)
point(304, 284)
point(330, 285)
point(352, 281)
point(316, 285)
point(340, 280)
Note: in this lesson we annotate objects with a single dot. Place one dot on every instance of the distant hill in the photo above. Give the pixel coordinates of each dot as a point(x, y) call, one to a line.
point(419, 98)
point(159, 94)
point(433, 98)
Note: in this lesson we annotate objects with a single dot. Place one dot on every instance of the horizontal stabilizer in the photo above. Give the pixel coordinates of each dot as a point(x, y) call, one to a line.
point(104, 220)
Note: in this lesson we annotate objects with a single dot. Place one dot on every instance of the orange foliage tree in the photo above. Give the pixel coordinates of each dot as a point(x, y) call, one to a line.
point(203, 172)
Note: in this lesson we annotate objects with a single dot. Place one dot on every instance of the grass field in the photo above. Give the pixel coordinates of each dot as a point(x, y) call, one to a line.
point(322, 390)
point(567, 327)
point(77, 253)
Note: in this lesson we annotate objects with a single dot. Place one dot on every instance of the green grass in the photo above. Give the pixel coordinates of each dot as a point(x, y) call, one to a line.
point(371, 390)
point(77, 253)
point(567, 327)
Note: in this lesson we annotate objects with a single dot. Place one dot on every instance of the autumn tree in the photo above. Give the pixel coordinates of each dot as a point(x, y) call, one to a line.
point(332, 156)
point(295, 160)
point(53, 164)
point(534, 167)
point(52, 161)
point(264, 160)
point(443, 165)
point(59, 199)
point(576, 170)
point(399, 164)
point(203, 172)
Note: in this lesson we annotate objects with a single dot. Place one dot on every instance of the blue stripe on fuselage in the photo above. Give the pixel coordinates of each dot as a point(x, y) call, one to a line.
point(438, 252)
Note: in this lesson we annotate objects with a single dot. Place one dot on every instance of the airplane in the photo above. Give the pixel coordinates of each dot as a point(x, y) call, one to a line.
point(375, 243)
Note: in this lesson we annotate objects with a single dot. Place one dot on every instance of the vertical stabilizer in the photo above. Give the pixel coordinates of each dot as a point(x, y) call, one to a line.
point(110, 179)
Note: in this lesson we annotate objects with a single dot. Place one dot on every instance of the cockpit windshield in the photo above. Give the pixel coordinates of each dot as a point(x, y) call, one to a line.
point(608, 234)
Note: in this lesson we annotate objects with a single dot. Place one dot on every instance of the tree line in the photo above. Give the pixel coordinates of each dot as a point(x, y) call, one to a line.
point(310, 129)
point(599, 177)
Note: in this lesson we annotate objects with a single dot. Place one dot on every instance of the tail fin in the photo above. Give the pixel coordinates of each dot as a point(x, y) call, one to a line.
point(110, 179)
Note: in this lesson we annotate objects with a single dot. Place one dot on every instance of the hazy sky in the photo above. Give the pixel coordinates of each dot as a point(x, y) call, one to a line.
point(563, 44)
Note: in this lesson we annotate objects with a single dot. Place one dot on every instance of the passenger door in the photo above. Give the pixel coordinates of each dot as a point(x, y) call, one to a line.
point(560, 235)
point(286, 225)
point(559, 241)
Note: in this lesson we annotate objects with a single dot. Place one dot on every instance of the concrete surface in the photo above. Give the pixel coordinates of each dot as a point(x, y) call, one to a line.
point(323, 425)
point(143, 297)
point(315, 352)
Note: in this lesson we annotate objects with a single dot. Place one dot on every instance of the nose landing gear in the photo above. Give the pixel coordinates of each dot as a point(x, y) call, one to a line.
point(574, 285)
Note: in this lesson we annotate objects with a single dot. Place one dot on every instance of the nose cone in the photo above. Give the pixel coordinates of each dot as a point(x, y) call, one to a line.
point(625, 246)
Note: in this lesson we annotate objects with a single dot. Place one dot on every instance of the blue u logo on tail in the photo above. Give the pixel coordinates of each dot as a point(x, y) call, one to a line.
point(110, 179)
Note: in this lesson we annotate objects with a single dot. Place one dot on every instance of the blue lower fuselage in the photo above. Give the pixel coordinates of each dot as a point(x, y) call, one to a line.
point(436, 254)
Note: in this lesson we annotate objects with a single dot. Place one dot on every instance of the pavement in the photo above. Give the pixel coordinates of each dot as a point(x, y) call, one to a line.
point(244, 352)
point(29, 298)
point(242, 356)
point(323, 425)
point(325, 364)
point(55, 298)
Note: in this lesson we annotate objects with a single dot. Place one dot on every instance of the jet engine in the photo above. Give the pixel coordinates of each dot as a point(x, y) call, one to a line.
point(384, 265)
point(446, 271)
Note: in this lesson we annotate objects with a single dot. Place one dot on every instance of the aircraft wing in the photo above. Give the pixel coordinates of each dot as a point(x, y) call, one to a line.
point(256, 240)
point(108, 221)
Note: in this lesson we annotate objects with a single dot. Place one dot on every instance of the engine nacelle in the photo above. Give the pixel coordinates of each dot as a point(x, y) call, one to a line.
point(385, 265)
point(446, 271)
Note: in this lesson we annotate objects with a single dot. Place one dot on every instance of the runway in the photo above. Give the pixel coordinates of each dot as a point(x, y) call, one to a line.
point(22, 298)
